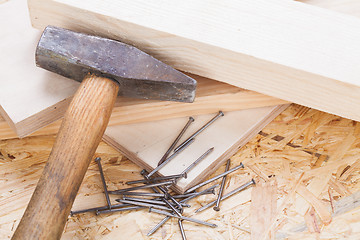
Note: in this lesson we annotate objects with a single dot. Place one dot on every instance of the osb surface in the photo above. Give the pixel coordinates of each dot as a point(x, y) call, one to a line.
point(306, 164)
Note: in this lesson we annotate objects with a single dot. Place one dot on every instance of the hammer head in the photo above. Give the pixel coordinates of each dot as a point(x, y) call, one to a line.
point(139, 75)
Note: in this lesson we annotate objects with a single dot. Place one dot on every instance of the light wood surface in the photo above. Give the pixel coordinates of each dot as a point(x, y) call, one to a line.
point(286, 49)
point(351, 7)
point(80, 134)
point(145, 143)
point(32, 98)
point(25, 89)
point(263, 208)
point(211, 96)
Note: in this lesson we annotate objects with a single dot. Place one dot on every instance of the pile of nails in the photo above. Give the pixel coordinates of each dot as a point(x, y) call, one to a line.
point(161, 200)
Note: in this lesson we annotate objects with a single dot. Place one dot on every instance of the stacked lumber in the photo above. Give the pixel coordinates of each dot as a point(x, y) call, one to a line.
point(32, 98)
point(305, 161)
point(211, 96)
point(285, 49)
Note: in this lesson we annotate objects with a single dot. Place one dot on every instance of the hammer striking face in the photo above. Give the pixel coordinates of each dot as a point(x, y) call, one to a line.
point(139, 75)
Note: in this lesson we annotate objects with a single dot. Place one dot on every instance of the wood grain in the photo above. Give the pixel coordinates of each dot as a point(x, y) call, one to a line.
point(27, 90)
point(210, 97)
point(286, 49)
point(80, 133)
point(319, 207)
point(351, 7)
point(263, 208)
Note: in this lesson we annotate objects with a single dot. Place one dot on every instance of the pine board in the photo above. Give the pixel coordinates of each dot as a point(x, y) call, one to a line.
point(263, 209)
point(211, 96)
point(351, 7)
point(32, 98)
point(145, 143)
point(26, 89)
point(286, 49)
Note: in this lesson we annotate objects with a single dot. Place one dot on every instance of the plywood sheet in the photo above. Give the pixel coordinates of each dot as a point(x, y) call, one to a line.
point(145, 143)
point(26, 90)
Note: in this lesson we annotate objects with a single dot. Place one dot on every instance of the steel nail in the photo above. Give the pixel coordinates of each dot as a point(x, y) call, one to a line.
point(239, 189)
point(204, 155)
point(192, 137)
point(121, 191)
point(214, 178)
point(165, 191)
point(158, 226)
point(176, 176)
point(145, 194)
point(143, 204)
point(144, 174)
point(184, 218)
point(190, 195)
point(182, 229)
point(191, 119)
point(98, 161)
point(172, 207)
point(208, 190)
point(184, 195)
point(168, 159)
point(97, 209)
point(119, 209)
point(216, 207)
point(151, 201)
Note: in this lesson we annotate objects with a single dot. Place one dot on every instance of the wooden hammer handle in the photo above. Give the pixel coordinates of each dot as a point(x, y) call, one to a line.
point(80, 133)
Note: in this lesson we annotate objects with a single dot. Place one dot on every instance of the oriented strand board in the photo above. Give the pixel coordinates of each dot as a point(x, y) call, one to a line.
point(22, 161)
point(286, 49)
point(145, 143)
point(32, 98)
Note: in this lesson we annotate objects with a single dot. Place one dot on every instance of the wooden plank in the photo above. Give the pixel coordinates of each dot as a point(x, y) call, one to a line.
point(279, 48)
point(351, 7)
point(145, 143)
point(26, 89)
point(211, 96)
point(263, 208)
point(32, 98)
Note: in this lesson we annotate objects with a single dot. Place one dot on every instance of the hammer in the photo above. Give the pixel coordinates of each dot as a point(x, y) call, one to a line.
point(106, 68)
